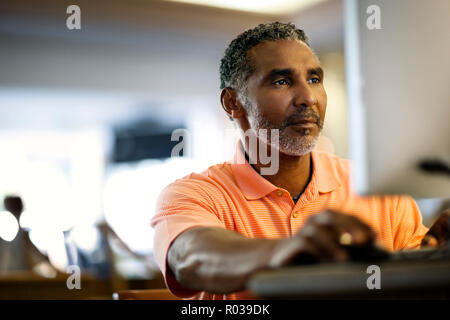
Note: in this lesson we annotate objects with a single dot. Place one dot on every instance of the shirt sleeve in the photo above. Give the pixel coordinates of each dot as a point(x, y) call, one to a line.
point(182, 205)
point(409, 229)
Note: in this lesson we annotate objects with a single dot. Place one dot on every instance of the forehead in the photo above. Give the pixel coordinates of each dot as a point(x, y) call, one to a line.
point(281, 54)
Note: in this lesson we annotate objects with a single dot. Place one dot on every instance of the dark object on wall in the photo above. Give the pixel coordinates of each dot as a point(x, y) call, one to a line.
point(144, 140)
point(434, 166)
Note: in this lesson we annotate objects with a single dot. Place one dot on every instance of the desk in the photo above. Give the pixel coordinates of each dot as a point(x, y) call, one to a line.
point(27, 285)
point(399, 280)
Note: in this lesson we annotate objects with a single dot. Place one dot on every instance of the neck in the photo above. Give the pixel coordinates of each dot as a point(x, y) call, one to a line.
point(293, 174)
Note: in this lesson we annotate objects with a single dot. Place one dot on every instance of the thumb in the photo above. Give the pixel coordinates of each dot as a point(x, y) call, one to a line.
point(429, 241)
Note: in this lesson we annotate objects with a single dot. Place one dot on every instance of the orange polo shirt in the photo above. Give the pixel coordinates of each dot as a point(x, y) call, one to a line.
point(232, 195)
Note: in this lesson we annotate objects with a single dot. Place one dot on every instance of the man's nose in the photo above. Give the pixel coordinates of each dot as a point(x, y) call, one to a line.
point(304, 96)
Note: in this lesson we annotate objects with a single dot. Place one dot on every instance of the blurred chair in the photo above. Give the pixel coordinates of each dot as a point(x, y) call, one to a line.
point(103, 260)
point(20, 254)
point(153, 294)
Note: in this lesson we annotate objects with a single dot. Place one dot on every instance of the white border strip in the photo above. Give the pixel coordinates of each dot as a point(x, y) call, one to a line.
point(356, 113)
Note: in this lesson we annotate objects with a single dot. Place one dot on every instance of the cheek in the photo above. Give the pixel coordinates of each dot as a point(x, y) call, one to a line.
point(273, 105)
point(322, 100)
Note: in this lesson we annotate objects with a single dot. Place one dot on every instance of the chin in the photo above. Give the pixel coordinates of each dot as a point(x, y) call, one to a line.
point(297, 147)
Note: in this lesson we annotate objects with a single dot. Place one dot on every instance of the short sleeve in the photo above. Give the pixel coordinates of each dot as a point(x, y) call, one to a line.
point(182, 205)
point(408, 227)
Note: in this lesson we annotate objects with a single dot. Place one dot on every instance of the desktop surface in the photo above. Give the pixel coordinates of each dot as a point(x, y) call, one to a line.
point(418, 274)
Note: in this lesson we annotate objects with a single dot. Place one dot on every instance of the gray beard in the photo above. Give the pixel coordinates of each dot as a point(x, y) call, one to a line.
point(289, 145)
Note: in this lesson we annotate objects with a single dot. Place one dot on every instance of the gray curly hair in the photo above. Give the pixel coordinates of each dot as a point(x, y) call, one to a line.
point(236, 67)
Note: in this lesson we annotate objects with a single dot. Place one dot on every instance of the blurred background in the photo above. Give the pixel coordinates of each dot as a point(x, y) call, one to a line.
point(87, 115)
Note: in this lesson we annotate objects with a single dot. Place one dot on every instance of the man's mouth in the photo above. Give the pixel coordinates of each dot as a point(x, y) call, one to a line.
point(304, 127)
point(304, 122)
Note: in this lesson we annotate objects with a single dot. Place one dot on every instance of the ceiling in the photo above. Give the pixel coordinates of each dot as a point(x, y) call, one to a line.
point(277, 7)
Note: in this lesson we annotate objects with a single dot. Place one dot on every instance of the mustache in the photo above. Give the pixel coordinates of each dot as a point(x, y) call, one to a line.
point(306, 113)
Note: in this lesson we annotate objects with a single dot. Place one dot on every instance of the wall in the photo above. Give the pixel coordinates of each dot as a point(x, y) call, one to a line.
point(406, 76)
point(152, 48)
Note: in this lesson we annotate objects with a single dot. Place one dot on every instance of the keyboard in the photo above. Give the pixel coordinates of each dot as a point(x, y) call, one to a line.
point(373, 253)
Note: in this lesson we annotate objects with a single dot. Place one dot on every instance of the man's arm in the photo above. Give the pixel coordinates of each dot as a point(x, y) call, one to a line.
point(220, 261)
point(217, 260)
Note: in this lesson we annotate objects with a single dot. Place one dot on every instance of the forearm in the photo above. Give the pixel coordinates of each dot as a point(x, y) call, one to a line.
point(218, 260)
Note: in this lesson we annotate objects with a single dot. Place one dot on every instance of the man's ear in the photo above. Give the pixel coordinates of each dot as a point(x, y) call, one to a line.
point(231, 104)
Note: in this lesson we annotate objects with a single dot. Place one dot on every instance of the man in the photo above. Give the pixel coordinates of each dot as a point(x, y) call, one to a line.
point(213, 230)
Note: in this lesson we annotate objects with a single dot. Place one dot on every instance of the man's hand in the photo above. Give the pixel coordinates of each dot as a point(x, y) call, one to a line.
point(326, 237)
point(438, 234)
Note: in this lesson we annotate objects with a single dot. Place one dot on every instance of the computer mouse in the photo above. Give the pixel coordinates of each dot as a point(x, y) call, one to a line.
point(367, 253)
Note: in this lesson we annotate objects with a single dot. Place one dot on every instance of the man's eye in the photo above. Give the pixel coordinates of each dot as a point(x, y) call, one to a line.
point(314, 80)
point(281, 82)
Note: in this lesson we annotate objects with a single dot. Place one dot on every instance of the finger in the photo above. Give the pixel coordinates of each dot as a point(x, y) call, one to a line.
point(325, 240)
point(430, 241)
point(361, 234)
point(440, 229)
point(296, 250)
point(310, 253)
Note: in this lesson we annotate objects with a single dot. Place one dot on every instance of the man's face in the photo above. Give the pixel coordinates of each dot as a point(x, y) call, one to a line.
point(286, 92)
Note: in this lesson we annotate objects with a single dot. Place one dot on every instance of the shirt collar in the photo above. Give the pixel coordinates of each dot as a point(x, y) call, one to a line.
point(324, 179)
point(325, 172)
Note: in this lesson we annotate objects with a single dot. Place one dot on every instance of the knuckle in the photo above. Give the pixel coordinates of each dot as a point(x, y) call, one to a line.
point(308, 232)
point(362, 236)
point(312, 219)
point(325, 218)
